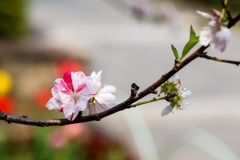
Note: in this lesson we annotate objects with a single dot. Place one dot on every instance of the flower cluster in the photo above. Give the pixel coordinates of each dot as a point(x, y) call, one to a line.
point(215, 34)
point(76, 92)
point(178, 94)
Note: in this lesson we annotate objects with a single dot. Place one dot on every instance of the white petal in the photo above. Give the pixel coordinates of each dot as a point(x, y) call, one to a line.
point(53, 104)
point(97, 108)
point(78, 78)
point(54, 92)
point(92, 109)
point(224, 34)
point(93, 74)
point(82, 103)
point(205, 15)
point(107, 99)
point(174, 78)
point(64, 98)
point(73, 116)
point(88, 91)
point(188, 93)
point(219, 45)
point(184, 92)
point(94, 83)
point(205, 36)
point(213, 23)
point(107, 89)
point(221, 38)
point(166, 110)
point(104, 101)
point(56, 95)
point(57, 100)
point(96, 76)
point(57, 81)
point(69, 109)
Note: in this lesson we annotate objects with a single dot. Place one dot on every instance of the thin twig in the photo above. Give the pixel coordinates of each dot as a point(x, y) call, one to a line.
point(219, 59)
point(149, 101)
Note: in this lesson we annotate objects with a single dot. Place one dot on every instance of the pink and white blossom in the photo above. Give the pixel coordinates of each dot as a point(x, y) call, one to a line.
point(104, 99)
point(71, 94)
point(76, 92)
point(215, 34)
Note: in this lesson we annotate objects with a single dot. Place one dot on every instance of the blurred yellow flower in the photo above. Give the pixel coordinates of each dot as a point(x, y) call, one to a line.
point(5, 82)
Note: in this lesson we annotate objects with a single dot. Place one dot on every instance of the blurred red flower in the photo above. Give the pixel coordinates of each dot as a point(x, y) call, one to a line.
point(6, 104)
point(42, 96)
point(68, 65)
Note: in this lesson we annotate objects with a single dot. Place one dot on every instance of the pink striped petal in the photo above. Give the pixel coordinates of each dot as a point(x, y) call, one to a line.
point(216, 13)
point(205, 15)
point(63, 85)
point(71, 117)
point(224, 45)
point(82, 75)
point(57, 87)
point(80, 87)
point(68, 80)
point(57, 84)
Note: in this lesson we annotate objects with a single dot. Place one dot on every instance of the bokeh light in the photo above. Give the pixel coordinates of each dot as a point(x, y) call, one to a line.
point(5, 82)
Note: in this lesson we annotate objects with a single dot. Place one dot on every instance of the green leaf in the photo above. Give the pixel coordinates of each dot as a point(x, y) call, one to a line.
point(192, 33)
point(190, 44)
point(175, 52)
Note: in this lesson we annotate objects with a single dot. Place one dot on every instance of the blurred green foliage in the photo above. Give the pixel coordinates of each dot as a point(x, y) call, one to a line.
point(12, 19)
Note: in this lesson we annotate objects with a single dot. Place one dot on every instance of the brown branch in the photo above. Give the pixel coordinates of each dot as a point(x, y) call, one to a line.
point(133, 97)
point(233, 21)
point(219, 60)
point(122, 106)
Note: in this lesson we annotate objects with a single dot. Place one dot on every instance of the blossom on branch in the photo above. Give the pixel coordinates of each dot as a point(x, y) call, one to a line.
point(71, 94)
point(179, 95)
point(76, 92)
point(215, 34)
point(104, 99)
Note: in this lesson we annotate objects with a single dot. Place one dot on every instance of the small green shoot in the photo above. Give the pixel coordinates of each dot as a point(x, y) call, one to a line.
point(193, 40)
point(175, 52)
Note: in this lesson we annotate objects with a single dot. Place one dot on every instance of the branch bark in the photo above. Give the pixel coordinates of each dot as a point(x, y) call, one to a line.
point(97, 117)
point(219, 59)
point(132, 98)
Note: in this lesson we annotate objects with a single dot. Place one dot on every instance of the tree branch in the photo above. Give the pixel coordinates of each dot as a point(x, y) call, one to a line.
point(133, 97)
point(149, 101)
point(231, 21)
point(219, 60)
point(122, 106)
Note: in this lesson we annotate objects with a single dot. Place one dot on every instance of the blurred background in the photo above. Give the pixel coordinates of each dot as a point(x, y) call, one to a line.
point(130, 40)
